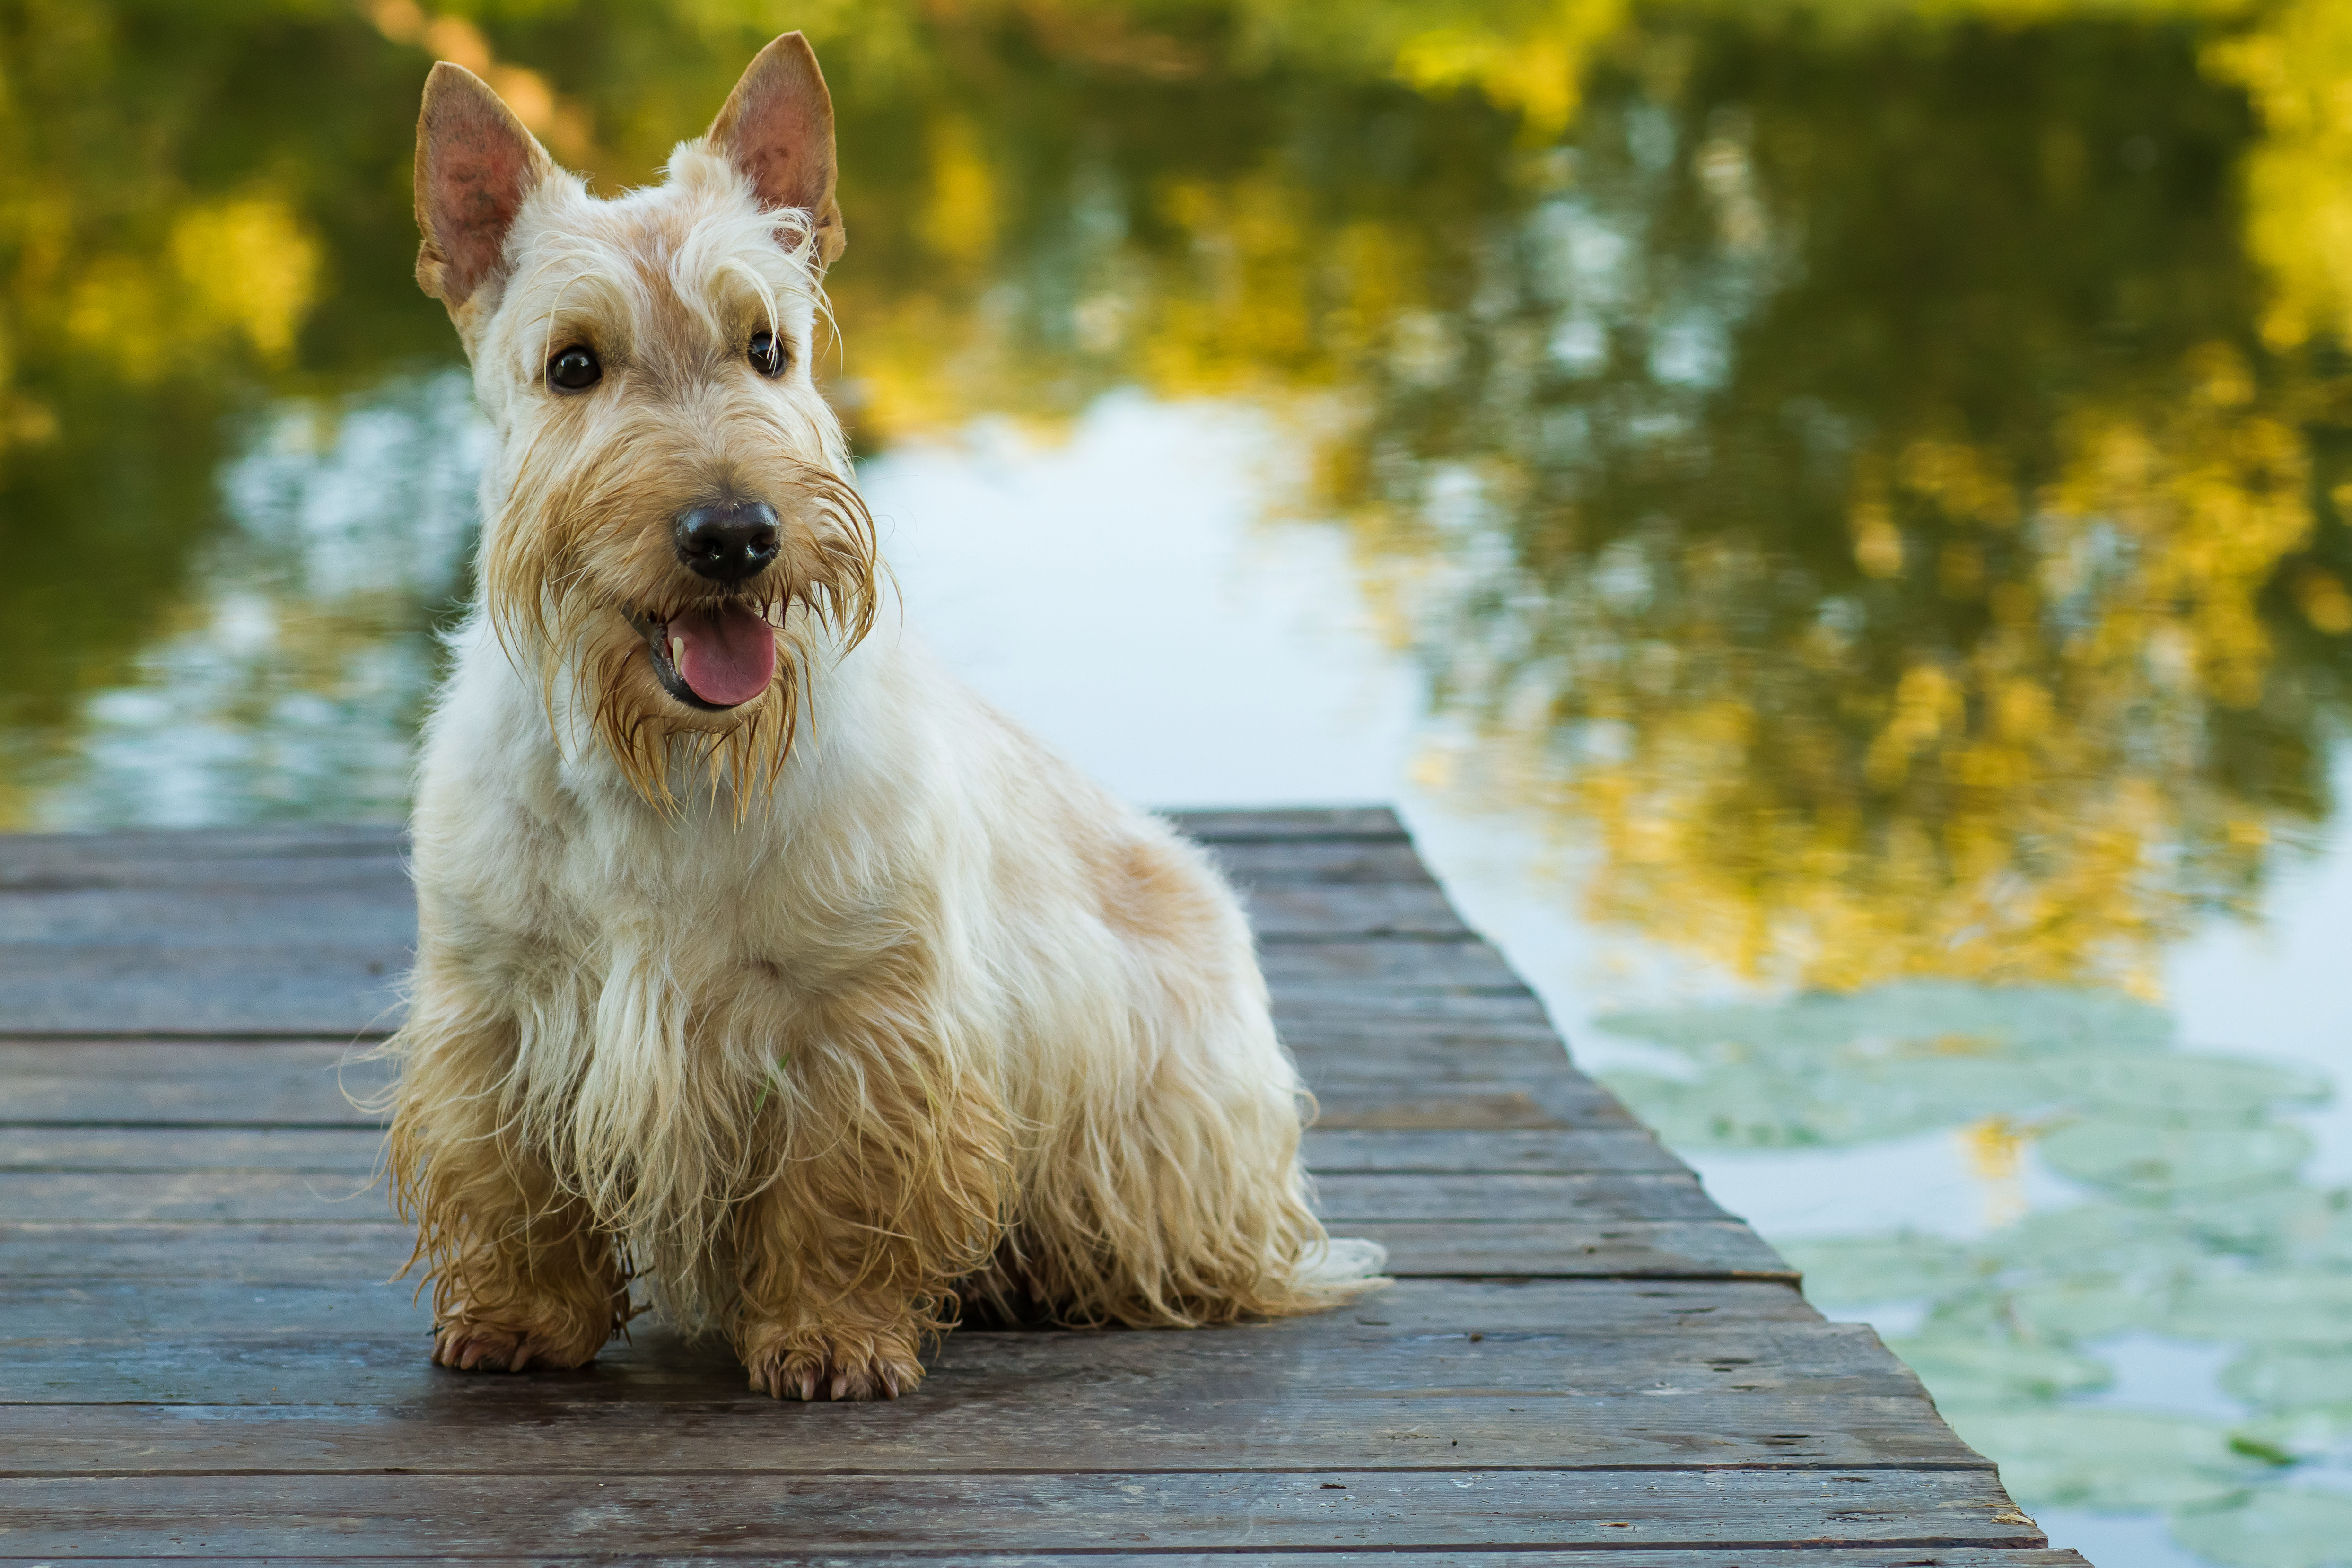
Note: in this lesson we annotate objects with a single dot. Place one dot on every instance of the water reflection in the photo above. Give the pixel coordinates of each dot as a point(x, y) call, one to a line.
point(1890, 542)
point(290, 679)
point(1874, 487)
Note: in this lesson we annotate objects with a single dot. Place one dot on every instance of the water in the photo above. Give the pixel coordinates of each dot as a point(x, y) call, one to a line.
point(1831, 524)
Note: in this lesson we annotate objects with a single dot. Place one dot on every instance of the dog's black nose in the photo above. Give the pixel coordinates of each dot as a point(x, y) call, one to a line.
point(727, 540)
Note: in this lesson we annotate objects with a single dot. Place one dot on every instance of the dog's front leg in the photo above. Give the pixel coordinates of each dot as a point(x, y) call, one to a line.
point(522, 1275)
point(834, 1305)
point(849, 1256)
point(531, 1281)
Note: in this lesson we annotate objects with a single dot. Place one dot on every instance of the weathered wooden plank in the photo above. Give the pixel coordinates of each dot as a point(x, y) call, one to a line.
point(1520, 1027)
point(302, 1081)
point(287, 1252)
point(298, 1249)
point(308, 1193)
point(1698, 1557)
point(79, 1317)
point(1639, 1397)
point(1370, 1197)
point(1419, 1045)
point(349, 1151)
point(1295, 911)
point(1368, 1078)
point(1256, 863)
point(1340, 848)
point(1469, 1106)
point(98, 990)
point(382, 875)
point(1356, 1085)
point(1636, 1250)
point(1338, 1004)
point(957, 1423)
point(1735, 1392)
point(21, 853)
point(1565, 1153)
point(136, 990)
point(1371, 967)
point(116, 1081)
point(375, 920)
point(240, 1195)
point(377, 1335)
point(342, 900)
point(1229, 826)
point(1459, 1054)
point(217, 1299)
point(355, 1150)
point(624, 1511)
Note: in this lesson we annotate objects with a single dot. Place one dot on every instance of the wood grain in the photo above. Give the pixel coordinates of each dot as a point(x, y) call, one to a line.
point(1289, 823)
point(115, 988)
point(972, 1424)
point(622, 1511)
point(206, 1081)
point(1254, 863)
point(307, 1193)
point(250, 1296)
point(1626, 1148)
point(355, 1150)
point(1720, 1557)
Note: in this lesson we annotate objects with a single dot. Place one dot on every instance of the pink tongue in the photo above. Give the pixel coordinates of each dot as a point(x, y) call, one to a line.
point(726, 656)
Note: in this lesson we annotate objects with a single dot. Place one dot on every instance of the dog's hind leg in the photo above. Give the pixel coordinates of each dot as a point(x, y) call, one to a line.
point(520, 1275)
point(1169, 1191)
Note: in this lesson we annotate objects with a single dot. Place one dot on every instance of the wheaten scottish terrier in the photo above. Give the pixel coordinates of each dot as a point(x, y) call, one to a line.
point(760, 961)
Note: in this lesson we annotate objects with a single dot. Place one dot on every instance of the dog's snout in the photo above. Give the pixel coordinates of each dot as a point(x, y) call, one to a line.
point(727, 540)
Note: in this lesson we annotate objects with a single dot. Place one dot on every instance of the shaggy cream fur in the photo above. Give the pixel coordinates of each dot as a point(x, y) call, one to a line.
point(829, 1014)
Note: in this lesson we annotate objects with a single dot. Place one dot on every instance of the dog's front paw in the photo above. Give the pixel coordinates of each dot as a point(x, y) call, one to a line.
point(468, 1346)
point(814, 1364)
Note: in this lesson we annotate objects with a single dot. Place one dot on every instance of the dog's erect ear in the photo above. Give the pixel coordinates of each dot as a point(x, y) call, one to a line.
point(474, 164)
point(777, 127)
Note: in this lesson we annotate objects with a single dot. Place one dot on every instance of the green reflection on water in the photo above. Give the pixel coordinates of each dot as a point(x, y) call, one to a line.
point(1877, 482)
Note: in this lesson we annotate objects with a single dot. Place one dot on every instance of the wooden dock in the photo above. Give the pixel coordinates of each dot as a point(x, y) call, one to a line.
point(1583, 1359)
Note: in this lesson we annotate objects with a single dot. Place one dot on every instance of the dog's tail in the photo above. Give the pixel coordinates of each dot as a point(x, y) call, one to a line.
point(1346, 1265)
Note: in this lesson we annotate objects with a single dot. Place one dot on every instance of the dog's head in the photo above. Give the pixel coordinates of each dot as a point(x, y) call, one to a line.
point(671, 517)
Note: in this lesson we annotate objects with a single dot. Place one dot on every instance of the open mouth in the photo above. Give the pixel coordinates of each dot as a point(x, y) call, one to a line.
point(712, 656)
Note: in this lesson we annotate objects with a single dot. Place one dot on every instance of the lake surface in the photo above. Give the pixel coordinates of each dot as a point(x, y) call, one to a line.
point(1829, 519)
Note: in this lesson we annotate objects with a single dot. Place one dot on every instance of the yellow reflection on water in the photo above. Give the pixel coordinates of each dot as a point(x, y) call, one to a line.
point(2297, 66)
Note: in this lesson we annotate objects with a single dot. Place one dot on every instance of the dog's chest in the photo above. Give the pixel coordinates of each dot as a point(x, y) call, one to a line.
point(707, 916)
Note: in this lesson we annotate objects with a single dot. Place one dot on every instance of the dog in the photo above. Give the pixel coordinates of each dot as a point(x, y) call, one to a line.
point(760, 960)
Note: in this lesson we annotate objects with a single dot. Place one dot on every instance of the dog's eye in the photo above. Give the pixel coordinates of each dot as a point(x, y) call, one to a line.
point(574, 369)
point(767, 354)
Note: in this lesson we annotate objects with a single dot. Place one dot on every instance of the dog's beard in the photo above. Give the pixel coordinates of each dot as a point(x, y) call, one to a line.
point(585, 585)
